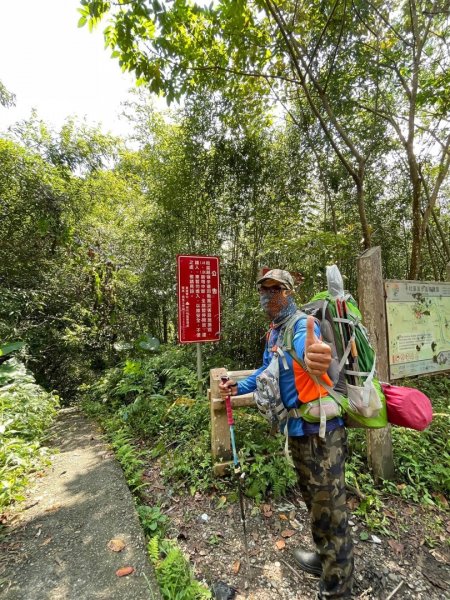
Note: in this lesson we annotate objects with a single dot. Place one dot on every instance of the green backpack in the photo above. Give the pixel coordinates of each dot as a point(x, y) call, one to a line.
point(355, 389)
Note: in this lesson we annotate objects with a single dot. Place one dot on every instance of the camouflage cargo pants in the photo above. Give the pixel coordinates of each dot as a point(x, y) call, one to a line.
point(320, 466)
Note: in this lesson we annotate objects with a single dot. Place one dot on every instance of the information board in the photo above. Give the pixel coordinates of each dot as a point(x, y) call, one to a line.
point(198, 299)
point(418, 318)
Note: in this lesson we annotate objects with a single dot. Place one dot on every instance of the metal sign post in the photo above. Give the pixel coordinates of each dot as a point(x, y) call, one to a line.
point(199, 368)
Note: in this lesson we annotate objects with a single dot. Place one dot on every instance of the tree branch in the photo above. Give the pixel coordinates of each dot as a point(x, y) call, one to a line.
point(296, 52)
point(296, 66)
point(443, 170)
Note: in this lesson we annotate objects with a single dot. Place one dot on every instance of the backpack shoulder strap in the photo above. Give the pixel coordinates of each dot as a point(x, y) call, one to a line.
point(288, 332)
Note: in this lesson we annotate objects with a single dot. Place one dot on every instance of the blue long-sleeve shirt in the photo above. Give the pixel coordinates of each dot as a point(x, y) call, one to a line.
point(292, 380)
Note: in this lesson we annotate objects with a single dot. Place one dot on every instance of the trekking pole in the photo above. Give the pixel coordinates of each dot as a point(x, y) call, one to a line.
point(237, 470)
point(344, 334)
point(335, 285)
point(354, 350)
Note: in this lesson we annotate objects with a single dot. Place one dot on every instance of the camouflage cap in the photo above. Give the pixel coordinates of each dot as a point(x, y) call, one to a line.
point(283, 277)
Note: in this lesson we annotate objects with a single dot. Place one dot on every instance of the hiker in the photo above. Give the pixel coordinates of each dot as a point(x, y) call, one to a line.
point(318, 459)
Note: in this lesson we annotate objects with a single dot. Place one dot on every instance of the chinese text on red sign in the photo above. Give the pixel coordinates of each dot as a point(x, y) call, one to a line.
point(198, 299)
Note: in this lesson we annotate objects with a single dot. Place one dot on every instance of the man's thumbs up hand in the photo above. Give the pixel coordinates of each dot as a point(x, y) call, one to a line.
point(317, 353)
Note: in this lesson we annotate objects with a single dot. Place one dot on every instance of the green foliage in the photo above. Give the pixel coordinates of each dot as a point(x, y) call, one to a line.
point(268, 472)
point(153, 548)
point(422, 458)
point(173, 572)
point(26, 412)
point(129, 457)
point(11, 347)
point(153, 521)
point(6, 98)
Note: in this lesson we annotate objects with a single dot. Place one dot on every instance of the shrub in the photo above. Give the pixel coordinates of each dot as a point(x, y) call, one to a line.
point(26, 412)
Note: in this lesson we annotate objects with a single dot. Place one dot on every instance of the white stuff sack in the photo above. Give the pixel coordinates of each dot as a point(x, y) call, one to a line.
point(267, 394)
point(364, 400)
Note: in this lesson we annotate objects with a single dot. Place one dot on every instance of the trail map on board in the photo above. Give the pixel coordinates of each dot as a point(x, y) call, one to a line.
point(418, 316)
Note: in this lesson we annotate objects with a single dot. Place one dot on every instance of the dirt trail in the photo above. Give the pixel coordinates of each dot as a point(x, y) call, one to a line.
point(210, 533)
point(58, 544)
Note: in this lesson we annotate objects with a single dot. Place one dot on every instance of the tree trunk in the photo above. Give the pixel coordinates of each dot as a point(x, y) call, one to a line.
point(442, 235)
point(430, 252)
point(417, 237)
point(360, 195)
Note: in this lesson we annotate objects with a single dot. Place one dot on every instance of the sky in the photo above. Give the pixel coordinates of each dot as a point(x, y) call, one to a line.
point(58, 69)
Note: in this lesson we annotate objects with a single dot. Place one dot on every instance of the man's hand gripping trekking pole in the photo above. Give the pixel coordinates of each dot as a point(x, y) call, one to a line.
point(237, 466)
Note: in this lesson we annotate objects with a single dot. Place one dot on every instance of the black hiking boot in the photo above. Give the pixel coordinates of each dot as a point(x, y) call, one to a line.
point(308, 561)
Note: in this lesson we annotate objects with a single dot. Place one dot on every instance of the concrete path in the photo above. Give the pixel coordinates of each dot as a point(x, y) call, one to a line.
point(58, 549)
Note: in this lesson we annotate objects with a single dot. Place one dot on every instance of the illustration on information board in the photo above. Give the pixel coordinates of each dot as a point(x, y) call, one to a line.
point(418, 317)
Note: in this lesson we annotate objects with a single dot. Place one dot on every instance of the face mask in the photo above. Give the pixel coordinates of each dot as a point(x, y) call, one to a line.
point(264, 300)
point(288, 308)
point(277, 307)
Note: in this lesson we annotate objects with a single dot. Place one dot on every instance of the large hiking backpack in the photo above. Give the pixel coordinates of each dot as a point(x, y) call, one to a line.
point(352, 371)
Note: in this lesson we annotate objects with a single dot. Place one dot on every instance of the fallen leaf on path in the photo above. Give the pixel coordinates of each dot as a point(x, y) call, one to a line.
point(267, 510)
point(280, 544)
point(396, 546)
point(116, 545)
point(47, 541)
point(236, 566)
point(353, 503)
point(221, 502)
point(284, 518)
point(125, 571)
point(442, 499)
point(287, 533)
point(435, 553)
point(53, 508)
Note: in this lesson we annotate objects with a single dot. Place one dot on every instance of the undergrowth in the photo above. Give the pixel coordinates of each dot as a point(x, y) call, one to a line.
point(421, 460)
point(26, 412)
point(154, 398)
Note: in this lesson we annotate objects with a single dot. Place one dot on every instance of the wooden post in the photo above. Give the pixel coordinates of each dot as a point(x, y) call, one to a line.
point(220, 433)
point(373, 308)
point(220, 430)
